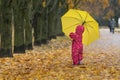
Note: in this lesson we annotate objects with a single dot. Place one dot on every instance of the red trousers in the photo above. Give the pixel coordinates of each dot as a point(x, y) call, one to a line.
point(77, 55)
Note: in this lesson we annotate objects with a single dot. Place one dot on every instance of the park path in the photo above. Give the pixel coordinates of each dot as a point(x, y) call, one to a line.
point(107, 43)
point(105, 50)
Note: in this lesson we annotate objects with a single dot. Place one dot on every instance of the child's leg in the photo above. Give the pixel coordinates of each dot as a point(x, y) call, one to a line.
point(80, 57)
point(75, 59)
point(75, 56)
point(80, 54)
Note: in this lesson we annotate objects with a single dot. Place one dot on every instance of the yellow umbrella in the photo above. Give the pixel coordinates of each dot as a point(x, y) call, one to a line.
point(74, 17)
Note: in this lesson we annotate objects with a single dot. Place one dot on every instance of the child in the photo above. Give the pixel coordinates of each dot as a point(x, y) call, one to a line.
point(77, 46)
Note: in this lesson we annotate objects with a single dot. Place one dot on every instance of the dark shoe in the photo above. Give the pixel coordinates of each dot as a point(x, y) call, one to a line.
point(80, 63)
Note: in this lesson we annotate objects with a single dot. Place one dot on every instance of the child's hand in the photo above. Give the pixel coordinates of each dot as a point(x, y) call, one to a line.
point(72, 35)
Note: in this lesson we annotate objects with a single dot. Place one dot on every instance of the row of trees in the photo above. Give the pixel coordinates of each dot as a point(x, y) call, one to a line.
point(20, 19)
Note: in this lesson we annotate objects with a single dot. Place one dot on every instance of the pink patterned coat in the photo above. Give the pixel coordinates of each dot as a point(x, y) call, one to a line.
point(77, 46)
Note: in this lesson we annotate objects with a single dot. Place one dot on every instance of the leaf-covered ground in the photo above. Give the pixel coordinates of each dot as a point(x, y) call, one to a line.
point(53, 61)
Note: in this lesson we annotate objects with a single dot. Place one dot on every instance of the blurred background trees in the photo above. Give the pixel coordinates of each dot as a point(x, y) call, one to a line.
point(101, 10)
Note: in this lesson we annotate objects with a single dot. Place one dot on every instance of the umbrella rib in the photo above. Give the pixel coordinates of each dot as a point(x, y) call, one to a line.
point(79, 15)
point(90, 27)
point(86, 17)
point(90, 21)
point(87, 33)
point(87, 21)
point(72, 25)
point(72, 17)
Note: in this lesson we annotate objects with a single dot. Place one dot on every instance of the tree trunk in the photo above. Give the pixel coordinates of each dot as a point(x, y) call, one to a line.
point(58, 25)
point(6, 29)
point(64, 6)
point(45, 27)
point(61, 8)
point(0, 22)
point(28, 26)
point(19, 28)
point(37, 22)
point(51, 19)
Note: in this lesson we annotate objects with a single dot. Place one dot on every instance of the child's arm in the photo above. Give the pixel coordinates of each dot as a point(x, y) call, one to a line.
point(73, 35)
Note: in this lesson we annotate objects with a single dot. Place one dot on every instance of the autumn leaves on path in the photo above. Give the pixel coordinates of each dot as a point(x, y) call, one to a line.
point(53, 61)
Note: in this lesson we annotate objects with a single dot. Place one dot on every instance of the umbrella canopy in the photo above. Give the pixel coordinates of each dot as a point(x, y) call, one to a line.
point(73, 18)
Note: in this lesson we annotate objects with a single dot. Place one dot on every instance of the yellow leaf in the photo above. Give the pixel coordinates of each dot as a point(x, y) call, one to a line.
point(1, 78)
